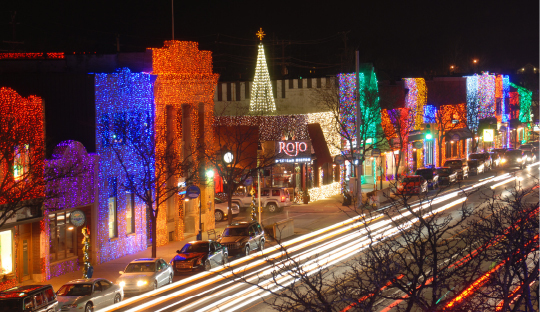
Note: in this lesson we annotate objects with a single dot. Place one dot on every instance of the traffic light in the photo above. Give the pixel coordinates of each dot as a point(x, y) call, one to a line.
point(429, 136)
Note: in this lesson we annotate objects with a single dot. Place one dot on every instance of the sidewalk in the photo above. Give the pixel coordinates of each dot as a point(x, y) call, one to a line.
point(109, 270)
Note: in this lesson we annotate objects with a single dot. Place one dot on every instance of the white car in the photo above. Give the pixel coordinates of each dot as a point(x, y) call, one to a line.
point(145, 274)
point(220, 208)
point(88, 294)
point(272, 199)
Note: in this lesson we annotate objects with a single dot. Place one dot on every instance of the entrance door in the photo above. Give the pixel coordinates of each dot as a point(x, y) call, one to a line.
point(25, 256)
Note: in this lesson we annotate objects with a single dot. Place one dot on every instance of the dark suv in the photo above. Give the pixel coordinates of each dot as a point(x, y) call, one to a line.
point(482, 157)
point(29, 298)
point(431, 176)
point(514, 158)
point(242, 237)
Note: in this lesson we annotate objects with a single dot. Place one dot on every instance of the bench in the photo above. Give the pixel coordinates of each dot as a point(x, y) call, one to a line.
point(211, 232)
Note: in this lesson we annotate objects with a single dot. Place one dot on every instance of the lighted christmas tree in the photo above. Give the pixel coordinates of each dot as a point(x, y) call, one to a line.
point(262, 97)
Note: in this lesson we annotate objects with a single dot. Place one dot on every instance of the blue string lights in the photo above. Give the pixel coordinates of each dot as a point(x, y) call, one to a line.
point(125, 117)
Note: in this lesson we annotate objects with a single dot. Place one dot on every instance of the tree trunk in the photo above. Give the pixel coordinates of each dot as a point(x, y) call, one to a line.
point(154, 233)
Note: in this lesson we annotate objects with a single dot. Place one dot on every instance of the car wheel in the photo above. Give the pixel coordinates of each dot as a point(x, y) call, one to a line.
point(224, 259)
point(207, 265)
point(89, 307)
point(272, 207)
point(247, 250)
point(261, 245)
point(219, 216)
point(117, 298)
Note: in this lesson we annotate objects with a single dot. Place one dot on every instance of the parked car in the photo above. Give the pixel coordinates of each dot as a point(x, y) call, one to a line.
point(28, 298)
point(495, 159)
point(531, 156)
point(431, 176)
point(500, 151)
point(484, 157)
point(272, 199)
point(475, 166)
point(514, 158)
point(526, 147)
point(144, 274)
point(221, 207)
point(458, 165)
point(447, 175)
point(242, 237)
point(413, 185)
point(199, 256)
point(88, 294)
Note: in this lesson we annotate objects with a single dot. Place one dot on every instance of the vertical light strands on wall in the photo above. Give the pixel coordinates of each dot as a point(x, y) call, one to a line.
point(124, 116)
point(486, 95)
point(262, 98)
point(416, 99)
point(525, 100)
point(472, 102)
point(347, 102)
point(185, 82)
point(506, 94)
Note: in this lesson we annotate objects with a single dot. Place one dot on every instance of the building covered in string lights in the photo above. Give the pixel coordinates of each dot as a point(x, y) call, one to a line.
point(22, 188)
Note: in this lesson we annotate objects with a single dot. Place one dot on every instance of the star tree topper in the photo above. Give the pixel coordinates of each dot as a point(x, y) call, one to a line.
point(260, 34)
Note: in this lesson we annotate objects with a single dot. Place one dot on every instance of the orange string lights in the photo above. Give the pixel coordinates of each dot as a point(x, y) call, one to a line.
point(184, 78)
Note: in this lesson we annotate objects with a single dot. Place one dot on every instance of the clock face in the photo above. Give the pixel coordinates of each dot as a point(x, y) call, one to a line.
point(228, 157)
point(77, 218)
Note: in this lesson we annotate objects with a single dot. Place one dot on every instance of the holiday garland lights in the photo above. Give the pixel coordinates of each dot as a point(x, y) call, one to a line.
point(184, 77)
point(525, 101)
point(262, 98)
point(124, 116)
point(31, 56)
point(416, 99)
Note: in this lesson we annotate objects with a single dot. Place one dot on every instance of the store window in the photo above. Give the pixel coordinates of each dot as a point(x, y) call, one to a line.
point(63, 237)
point(21, 162)
point(6, 252)
point(112, 203)
point(130, 213)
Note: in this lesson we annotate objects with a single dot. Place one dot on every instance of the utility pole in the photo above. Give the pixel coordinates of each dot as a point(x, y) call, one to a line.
point(358, 127)
point(172, 10)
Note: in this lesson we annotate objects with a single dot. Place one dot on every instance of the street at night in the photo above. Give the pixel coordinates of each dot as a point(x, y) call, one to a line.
point(225, 156)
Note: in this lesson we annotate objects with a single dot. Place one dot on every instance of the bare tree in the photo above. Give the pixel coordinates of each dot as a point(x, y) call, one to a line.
point(447, 118)
point(153, 175)
point(400, 123)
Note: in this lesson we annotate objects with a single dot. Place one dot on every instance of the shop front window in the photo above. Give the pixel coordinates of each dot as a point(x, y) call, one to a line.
point(63, 237)
point(6, 252)
point(130, 213)
point(113, 224)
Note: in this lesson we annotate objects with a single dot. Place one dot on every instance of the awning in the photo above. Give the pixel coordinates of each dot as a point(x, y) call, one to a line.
point(458, 134)
point(319, 144)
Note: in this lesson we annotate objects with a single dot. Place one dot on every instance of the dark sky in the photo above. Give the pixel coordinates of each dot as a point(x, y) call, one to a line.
point(401, 38)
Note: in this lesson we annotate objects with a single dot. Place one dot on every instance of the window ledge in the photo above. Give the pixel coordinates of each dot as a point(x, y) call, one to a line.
point(131, 234)
point(113, 239)
point(64, 260)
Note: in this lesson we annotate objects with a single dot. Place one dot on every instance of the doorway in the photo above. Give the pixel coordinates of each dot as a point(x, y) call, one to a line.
point(25, 252)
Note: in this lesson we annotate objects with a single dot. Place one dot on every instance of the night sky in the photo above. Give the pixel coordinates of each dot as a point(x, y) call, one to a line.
point(401, 38)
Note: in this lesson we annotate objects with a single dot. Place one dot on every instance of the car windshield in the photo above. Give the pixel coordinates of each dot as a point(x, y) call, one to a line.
point(445, 170)
point(75, 290)
point(141, 267)
point(453, 163)
point(472, 163)
point(195, 248)
point(235, 231)
point(10, 305)
point(514, 153)
point(428, 174)
point(411, 179)
point(476, 156)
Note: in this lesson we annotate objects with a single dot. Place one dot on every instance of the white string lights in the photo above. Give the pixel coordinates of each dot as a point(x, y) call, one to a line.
point(262, 98)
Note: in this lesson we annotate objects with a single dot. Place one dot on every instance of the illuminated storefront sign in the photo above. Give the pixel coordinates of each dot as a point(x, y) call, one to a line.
point(293, 151)
point(488, 135)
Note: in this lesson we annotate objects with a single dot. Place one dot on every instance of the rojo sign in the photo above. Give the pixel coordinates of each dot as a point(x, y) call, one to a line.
point(293, 151)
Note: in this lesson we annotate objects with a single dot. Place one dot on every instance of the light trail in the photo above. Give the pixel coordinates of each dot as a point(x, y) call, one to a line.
point(503, 182)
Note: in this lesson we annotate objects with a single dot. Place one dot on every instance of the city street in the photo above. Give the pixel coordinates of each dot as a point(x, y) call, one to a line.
point(330, 244)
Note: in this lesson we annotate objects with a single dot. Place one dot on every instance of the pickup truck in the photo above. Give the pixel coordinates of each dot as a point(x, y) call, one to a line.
point(272, 199)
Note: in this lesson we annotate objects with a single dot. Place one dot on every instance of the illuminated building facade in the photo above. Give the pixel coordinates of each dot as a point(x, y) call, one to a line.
point(22, 153)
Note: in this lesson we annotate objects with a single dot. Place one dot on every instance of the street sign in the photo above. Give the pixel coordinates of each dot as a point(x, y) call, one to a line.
point(77, 218)
point(339, 160)
point(193, 192)
point(375, 152)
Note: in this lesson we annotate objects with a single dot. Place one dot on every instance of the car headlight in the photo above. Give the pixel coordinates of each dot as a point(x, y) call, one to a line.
point(519, 160)
point(141, 283)
point(503, 160)
point(122, 284)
